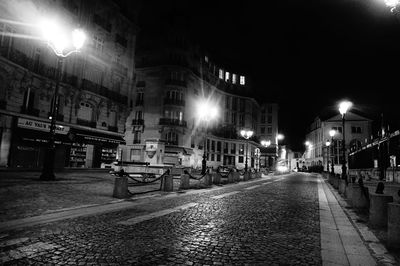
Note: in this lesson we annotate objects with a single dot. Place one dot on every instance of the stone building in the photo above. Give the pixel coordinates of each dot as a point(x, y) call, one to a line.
point(173, 76)
point(95, 91)
point(357, 130)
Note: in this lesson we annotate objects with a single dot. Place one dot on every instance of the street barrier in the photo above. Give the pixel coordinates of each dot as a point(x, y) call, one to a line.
point(378, 211)
point(216, 178)
point(185, 182)
point(167, 183)
point(393, 232)
point(121, 187)
point(342, 186)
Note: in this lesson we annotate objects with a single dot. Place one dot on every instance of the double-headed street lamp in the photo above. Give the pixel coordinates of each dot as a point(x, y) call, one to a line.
point(246, 134)
point(343, 108)
point(206, 112)
point(332, 133)
point(63, 44)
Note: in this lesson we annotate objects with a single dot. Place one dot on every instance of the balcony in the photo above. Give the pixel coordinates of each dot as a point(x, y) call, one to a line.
point(174, 82)
point(86, 123)
point(172, 122)
point(30, 111)
point(112, 128)
point(169, 101)
point(103, 91)
point(137, 122)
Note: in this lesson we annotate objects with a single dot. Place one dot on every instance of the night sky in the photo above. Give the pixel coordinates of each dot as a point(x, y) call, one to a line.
point(304, 55)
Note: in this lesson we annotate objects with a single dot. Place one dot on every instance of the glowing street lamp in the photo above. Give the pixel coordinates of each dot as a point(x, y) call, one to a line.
point(206, 112)
point(343, 108)
point(266, 143)
point(63, 44)
point(327, 144)
point(392, 4)
point(246, 134)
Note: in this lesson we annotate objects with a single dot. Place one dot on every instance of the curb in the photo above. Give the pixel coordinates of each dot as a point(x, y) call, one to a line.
point(377, 249)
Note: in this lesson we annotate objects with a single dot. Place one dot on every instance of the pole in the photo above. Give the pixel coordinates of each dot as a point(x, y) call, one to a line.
point(344, 169)
point(204, 162)
point(327, 159)
point(48, 164)
point(247, 147)
point(332, 159)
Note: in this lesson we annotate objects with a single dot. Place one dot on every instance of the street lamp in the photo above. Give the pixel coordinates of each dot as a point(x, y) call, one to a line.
point(266, 143)
point(63, 45)
point(327, 144)
point(343, 108)
point(206, 112)
point(246, 134)
point(332, 133)
point(392, 4)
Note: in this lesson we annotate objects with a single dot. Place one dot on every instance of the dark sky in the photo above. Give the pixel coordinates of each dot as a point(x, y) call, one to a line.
point(305, 55)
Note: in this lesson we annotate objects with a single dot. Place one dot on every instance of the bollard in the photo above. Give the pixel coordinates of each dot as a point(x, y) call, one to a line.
point(121, 187)
point(231, 177)
point(208, 180)
point(236, 177)
point(216, 178)
point(393, 232)
point(185, 182)
point(336, 182)
point(349, 190)
point(359, 197)
point(378, 210)
point(167, 183)
point(246, 176)
point(342, 186)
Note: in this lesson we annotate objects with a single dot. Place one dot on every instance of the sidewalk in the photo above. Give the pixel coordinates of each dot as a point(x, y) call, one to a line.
point(372, 239)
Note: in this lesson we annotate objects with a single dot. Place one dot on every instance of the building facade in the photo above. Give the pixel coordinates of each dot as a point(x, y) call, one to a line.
point(95, 92)
point(173, 76)
point(357, 131)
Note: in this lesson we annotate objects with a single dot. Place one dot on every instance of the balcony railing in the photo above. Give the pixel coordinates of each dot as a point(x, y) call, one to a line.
point(138, 122)
point(175, 82)
point(170, 101)
point(103, 91)
point(86, 123)
point(172, 122)
point(30, 111)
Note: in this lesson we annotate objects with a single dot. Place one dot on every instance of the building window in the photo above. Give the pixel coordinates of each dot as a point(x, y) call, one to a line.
point(241, 148)
point(227, 102)
point(263, 118)
point(234, 78)
point(226, 117)
point(212, 157)
point(269, 130)
point(242, 105)
point(233, 148)
point(221, 74)
point(213, 145)
point(234, 118)
point(208, 144)
point(219, 146)
point(171, 138)
point(262, 130)
point(234, 103)
point(135, 154)
point(29, 99)
point(136, 137)
point(226, 147)
point(227, 76)
point(240, 159)
point(241, 120)
point(356, 130)
point(98, 43)
point(269, 109)
point(218, 157)
point(242, 80)
point(270, 119)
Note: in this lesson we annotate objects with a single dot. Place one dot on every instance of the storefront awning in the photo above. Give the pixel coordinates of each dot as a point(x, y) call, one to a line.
point(96, 137)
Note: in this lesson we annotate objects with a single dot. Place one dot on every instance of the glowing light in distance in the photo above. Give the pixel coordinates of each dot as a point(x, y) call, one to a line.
point(344, 107)
point(332, 133)
point(280, 137)
point(206, 111)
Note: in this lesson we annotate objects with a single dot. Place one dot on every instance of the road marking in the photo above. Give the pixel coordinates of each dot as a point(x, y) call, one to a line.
point(25, 251)
point(225, 195)
point(146, 217)
point(252, 187)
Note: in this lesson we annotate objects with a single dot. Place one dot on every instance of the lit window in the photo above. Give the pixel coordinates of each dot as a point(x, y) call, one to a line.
point(242, 80)
point(226, 76)
point(206, 59)
point(98, 43)
point(221, 74)
point(234, 78)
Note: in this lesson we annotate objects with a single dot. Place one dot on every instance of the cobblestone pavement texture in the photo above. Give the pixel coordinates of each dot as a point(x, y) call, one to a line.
point(271, 224)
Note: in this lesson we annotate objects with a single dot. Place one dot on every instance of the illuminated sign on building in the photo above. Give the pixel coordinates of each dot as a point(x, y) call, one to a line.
point(42, 126)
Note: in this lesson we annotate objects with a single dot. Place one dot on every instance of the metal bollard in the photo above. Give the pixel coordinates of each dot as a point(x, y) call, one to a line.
point(378, 210)
point(167, 183)
point(216, 178)
point(185, 182)
point(208, 179)
point(121, 187)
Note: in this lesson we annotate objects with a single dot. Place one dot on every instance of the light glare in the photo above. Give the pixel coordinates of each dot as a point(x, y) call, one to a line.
point(392, 3)
point(344, 107)
point(78, 38)
point(332, 133)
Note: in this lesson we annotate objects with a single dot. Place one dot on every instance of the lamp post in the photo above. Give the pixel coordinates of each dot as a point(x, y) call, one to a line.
point(206, 112)
point(392, 4)
point(327, 144)
point(308, 149)
point(246, 134)
point(332, 133)
point(343, 108)
point(266, 143)
point(59, 42)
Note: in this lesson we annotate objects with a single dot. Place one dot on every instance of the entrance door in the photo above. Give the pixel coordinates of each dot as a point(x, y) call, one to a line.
point(97, 156)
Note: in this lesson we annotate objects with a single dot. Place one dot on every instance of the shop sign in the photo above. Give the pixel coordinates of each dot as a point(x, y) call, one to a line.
point(42, 126)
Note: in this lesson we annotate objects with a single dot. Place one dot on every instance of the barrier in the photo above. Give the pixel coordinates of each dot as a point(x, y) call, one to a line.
point(359, 196)
point(216, 178)
point(208, 180)
point(393, 232)
point(167, 183)
point(378, 210)
point(342, 186)
point(236, 177)
point(185, 182)
point(246, 176)
point(121, 187)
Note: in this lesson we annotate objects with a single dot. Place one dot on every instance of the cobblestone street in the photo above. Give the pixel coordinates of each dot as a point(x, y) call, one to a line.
point(271, 221)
